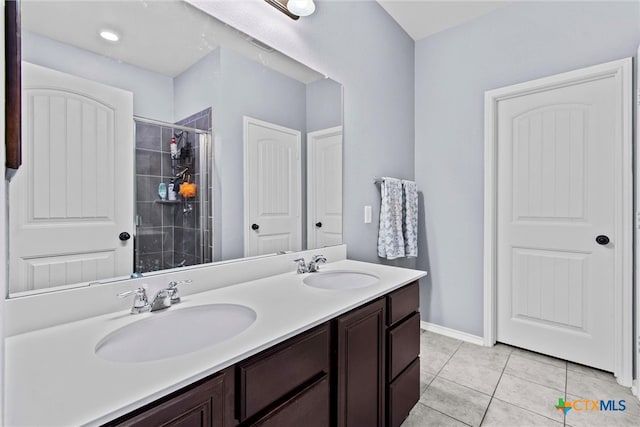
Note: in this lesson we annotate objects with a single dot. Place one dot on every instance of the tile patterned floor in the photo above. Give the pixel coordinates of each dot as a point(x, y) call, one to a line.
point(468, 385)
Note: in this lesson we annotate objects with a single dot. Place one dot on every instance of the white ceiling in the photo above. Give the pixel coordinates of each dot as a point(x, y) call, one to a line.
point(422, 18)
point(167, 37)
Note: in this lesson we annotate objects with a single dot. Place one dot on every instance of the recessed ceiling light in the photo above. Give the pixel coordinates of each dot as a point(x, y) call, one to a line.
point(109, 35)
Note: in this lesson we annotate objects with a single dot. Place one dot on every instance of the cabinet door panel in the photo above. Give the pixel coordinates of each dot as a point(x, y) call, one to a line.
point(360, 366)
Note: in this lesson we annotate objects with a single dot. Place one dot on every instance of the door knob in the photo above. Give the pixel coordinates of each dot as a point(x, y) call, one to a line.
point(124, 236)
point(318, 224)
point(602, 239)
point(255, 226)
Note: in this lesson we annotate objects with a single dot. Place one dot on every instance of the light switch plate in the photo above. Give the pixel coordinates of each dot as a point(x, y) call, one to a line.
point(367, 214)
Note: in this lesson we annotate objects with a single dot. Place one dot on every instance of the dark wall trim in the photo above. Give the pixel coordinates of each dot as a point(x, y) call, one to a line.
point(13, 101)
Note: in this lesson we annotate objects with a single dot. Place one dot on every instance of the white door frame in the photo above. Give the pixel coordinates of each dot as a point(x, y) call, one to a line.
point(636, 233)
point(621, 70)
point(246, 121)
point(311, 188)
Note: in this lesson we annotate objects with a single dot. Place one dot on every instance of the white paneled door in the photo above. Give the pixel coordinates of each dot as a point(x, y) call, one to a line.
point(73, 196)
point(272, 188)
point(324, 187)
point(561, 165)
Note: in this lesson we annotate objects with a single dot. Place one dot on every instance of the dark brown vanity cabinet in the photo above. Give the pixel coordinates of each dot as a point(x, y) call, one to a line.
point(287, 385)
point(208, 403)
point(360, 355)
point(377, 365)
point(359, 369)
point(403, 350)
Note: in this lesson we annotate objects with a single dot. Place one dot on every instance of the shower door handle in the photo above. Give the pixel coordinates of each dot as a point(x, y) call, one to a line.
point(124, 236)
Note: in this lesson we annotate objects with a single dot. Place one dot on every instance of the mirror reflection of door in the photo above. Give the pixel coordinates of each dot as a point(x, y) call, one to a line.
point(72, 199)
point(204, 65)
point(272, 188)
point(324, 187)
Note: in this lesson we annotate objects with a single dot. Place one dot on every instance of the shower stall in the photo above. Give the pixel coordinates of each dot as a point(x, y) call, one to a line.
point(173, 228)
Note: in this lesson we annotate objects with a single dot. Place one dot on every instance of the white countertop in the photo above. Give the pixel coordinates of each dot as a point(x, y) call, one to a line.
point(53, 376)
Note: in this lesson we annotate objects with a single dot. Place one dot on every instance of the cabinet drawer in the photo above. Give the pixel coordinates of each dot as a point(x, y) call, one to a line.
point(403, 394)
point(402, 302)
point(269, 376)
point(309, 408)
point(404, 345)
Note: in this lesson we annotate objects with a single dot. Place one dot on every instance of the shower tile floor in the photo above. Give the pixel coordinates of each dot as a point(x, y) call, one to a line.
point(463, 384)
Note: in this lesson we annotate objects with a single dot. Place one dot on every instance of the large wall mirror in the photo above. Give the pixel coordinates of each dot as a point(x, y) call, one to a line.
point(156, 137)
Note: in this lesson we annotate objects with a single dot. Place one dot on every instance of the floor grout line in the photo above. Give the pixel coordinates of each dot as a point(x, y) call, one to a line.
point(455, 349)
point(495, 388)
point(445, 414)
point(466, 386)
point(531, 411)
point(523, 352)
point(448, 360)
point(437, 376)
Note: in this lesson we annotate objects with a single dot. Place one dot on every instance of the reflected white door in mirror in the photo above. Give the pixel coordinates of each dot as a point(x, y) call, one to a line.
point(324, 187)
point(203, 75)
point(272, 188)
point(72, 199)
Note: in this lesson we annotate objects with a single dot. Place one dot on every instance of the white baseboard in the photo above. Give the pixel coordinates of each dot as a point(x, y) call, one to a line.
point(451, 333)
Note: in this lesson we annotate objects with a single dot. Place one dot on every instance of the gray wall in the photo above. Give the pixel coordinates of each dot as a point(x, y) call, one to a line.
point(248, 89)
point(196, 88)
point(453, 70)
point(152, 92)
point(324, 105)
point(236, 86)
point(357, 44)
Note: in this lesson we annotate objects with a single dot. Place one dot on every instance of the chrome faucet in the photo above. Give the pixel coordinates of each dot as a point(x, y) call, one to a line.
point(161, 301)
point(164, 298)
point(302, 265)
point(140, 301)
point(173, 290)
point(313, 265)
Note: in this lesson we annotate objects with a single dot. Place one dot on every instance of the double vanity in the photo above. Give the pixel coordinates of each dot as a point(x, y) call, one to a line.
point(334, 347)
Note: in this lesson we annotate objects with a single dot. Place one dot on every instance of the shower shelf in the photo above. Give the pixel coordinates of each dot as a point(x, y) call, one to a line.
point(168, 202)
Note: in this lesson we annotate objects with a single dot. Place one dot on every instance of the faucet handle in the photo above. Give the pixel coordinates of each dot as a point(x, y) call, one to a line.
point(302, 265)
point(315, 260)
point(140, 301)
point(173, 290)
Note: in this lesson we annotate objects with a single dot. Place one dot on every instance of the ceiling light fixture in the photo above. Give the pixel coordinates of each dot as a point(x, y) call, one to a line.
point(109, 35)
point(301, 7)
point(294, 9)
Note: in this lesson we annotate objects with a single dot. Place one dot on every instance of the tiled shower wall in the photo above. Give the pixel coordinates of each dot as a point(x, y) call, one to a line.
point(166, 234)
point(187, 226)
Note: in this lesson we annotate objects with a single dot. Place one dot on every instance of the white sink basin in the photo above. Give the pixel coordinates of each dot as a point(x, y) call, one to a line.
point(175, 332)
point(340, 280)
